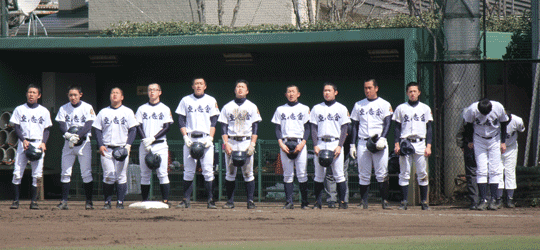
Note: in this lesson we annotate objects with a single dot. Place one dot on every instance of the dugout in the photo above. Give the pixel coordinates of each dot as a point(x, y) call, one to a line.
point(270, 62)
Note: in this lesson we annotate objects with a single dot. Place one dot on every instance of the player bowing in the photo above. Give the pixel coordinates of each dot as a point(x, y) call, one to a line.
point(292, 132)
point(198, 114)
point(76, 115)
point(239, 122)
point(154, 120)
point(413, 127)
point(486, 130)
point(115, 129)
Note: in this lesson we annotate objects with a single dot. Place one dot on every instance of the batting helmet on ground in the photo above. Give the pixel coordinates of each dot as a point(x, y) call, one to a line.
point(75, 130)
point(326, 157)
point(406, 147)
point(484, 106)
point(120, 153)
point(153, 161)
point(197, 150)
point(292, 146)
point(239, 158)
point(371, 144)
point(33, 153)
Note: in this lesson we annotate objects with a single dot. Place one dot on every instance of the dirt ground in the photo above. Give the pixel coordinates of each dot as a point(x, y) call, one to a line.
point(80, 228)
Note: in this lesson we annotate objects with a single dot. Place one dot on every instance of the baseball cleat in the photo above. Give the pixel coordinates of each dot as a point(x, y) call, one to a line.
point(89, 205)
point(473, 206)
point(251, 205)
point(510, 203)
point(425, 205)
point(304, 205)
point(385, 204)
point(107, 206)
point(403, 205)
point(331, 204)
point(492, 205)
point(14, 205)
point(482, 205)
point(211, 205)
point(34, 205)
point(317, 205)
point(228, 205)
point(499, 203)
point(184, 204)
point(288, 205)
point(63, 205)
point(167, 203)
point(119, 205)
point(363, 204)
point(343, 205)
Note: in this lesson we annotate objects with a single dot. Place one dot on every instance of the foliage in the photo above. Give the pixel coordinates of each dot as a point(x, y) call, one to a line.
point(520, 47)
point(427, 19)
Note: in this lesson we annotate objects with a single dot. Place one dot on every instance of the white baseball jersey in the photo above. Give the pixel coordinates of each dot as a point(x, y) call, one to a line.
point(76, 116)
point(198, 112)
point(291, 119)
point(152, 118)
point(115, 123)
point(486, 125)
point(239, 118)
point(413, 119)
point(329, 119)
point(370, 116)
point(514, 126)
point(32, 120)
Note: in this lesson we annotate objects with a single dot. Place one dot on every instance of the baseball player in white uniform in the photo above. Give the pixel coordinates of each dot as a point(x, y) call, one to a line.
point(486, 131)
point(509, 161)
point(32, 123)
point(292, 126)
point(371, 116)
point(115, 126)
point(240, 122)
point(413, 123)
point(154, 120)
point(198, 115)
point(329, 122)
point(76, 113)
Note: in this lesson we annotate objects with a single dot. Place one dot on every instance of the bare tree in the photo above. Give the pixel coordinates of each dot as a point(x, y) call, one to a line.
point(310, 10)
point(297, 14)
point(317, 9)
point(220, 12)
point(235, 11)
point(200, 11)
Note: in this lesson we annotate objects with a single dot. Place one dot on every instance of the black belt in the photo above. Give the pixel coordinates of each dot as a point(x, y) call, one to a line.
point(157, 141)
point(113, 147)
point(293, 139)
point(31, 140)
point(197, 135)
point(240, 138)
point(364, 139)
point(415, 140)
point(328, 139)
point(487, 138)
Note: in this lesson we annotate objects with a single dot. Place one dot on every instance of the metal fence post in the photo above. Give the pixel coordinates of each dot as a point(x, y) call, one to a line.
point(220, 168)
point(259, 168)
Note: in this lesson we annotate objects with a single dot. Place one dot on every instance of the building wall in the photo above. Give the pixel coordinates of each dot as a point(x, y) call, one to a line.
point(103, 13)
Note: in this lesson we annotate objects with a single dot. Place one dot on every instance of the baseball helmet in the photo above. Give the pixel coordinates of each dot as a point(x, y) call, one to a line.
point(371, 144)
point(120, 153)
point(326, 157)
point(239, 158)
point(484, 106)
point(153, 161)
point(197, 150)
point(33, 153)
point(406, 147)
point(75, 130)
point(292, 146)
